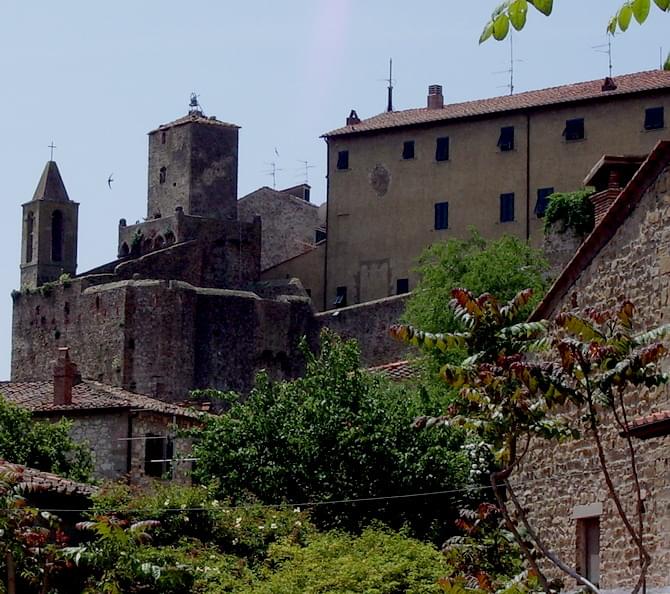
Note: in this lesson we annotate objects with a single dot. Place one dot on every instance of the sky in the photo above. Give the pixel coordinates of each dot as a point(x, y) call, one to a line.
point(95, 77)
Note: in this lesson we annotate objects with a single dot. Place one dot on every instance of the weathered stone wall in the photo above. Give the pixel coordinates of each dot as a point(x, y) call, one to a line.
point(369, 323)
point(309, 268)
point(635, 264)
point(559, 248)
point(289, 224)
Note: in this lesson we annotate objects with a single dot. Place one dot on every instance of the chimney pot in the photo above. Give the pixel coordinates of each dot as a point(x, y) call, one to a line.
point(435, 97)
point(66, 375)
point(353, 118)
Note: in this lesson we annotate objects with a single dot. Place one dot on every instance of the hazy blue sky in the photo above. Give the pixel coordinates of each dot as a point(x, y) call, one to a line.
point(94, 77)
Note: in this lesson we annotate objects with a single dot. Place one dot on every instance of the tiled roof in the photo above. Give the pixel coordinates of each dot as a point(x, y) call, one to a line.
point(654, 425)
point(626, 84)
point(397, 371)
point(614, 218)
point(87, 395)
point(31, 480)
point(194, 117)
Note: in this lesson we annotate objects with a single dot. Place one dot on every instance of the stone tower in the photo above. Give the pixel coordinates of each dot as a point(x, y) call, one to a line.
point(193, 164)
point(49, 237)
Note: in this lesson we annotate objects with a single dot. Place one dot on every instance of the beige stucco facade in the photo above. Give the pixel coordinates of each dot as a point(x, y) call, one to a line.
point(381, 208)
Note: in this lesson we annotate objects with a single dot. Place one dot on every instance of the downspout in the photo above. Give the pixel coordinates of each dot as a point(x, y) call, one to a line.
point(325, 261)
point(527, 176)
point(129, 446)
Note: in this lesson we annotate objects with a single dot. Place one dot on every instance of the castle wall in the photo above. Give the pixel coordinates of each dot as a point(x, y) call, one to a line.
point(369, 323)
point(554, 479)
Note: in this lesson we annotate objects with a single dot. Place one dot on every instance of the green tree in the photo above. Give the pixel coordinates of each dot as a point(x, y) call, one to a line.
point(502, 267)
point(338, 433)
point(515, 12)
point(42, 445)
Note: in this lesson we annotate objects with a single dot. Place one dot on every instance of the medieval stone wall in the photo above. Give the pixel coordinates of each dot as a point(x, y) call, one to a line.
point(635, 264)
point(368, 323)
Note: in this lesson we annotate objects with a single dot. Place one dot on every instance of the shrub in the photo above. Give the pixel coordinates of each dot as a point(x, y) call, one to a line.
point(572, 210)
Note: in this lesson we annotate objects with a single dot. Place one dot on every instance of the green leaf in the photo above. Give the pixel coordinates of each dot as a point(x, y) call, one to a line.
point(641, 10)
point(666, 64)
point(544, 6)
point(501, 27)
point(624, 17)
point(663, 4)
point(611, 26)
point(518, 11)
point(487, 32)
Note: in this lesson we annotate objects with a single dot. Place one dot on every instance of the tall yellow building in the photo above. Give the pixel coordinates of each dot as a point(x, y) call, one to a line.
point(402, 180)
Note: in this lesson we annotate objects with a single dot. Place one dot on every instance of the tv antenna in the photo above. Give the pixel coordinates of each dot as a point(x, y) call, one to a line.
point(306, 167)
point(510, 70)
point(389, 80)
point(273, 173)
point(606, 48)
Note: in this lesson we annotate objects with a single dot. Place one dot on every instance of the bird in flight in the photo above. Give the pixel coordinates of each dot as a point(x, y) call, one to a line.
point(110, 179)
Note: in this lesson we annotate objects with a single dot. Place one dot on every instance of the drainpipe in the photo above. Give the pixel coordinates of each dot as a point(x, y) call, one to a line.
point(527, 176)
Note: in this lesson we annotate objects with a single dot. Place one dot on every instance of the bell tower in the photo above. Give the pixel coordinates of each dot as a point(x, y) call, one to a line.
point(49, 235)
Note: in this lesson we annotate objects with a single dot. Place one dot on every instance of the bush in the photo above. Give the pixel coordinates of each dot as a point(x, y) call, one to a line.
point(573, 210)
point(42, 445)
point(336, 434)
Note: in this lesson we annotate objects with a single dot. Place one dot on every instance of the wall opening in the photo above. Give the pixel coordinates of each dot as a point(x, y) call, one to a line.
point(162, 175)
point(30, 228)
point(588, 548)
point(57, 236)
point(158, 453)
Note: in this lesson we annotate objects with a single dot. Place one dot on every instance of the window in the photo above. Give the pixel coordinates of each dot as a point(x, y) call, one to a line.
point(305, 194)
point(408, 149)
point(506, 140)
point(57, 236)
point(319, 235)
point(30, 228)
point(340, 297)
point(343, 160)
point(588, 548)
point(542, 201)
point(574, 129)
point(442, 215)
point(653, 118)
point(401, 286)
point(442, 149)
point(506, 207)
point(163, 137)
point(162, 175)
point(158, 453)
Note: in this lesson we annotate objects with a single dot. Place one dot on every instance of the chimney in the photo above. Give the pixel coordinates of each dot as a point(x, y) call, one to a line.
point(353, 118)
point(435, 97)
point(66, 375)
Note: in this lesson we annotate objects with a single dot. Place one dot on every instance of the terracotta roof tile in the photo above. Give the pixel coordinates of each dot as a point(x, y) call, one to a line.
point(31, 480)
point(87, 395)
point(397, 371)
point(653, 425)
point(626, 84)
point(194, 117)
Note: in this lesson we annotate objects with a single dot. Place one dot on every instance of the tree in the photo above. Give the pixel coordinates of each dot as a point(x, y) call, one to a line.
point(42, 445)
point(515, 12)
point(502, 267)
point(507, 400)
point(338, 433)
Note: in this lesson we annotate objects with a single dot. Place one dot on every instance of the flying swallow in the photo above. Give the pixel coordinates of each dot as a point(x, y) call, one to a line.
point(110, 179)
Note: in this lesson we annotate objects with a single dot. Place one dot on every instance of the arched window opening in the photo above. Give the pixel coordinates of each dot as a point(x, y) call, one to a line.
point(169, 238)
point(57, 236)
point(30, 227)
point(162, 175)
point(146, 246)
point(159, 242)
point(125, 250)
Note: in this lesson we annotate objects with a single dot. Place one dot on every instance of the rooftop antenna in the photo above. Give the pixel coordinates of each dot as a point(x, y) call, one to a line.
point(660, 58)
point(306, 166)
point(273, 173)
point(606, 48)
point(510, 70)
point(52, 146)
point(389, 105)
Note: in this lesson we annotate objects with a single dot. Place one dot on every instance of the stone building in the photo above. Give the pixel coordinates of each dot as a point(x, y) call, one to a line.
point(626, 256)
point(131, 436)
point(401, 180)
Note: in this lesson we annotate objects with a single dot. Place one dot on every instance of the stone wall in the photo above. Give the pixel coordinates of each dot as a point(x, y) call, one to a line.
point(635, 264)
point(289, 224)
point(369, 323)
point(559, 247)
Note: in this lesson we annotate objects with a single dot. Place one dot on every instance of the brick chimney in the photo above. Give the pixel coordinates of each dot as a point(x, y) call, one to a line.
point(66, 375)
point(435, 97)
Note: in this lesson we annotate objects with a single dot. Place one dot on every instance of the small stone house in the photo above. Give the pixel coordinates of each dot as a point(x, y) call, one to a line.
point(627, 255)
point(131, 436)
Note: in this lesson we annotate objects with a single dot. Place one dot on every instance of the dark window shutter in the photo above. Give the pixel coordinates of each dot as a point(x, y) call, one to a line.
point(340, 297)
point(654, 118)
point(442, 215)
point(542, 201)
point(506, 207)
point(574, 129)
point(402, 286)
point(408, 149)
point(442, 149)
point(343, 160)
point(506, 140)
